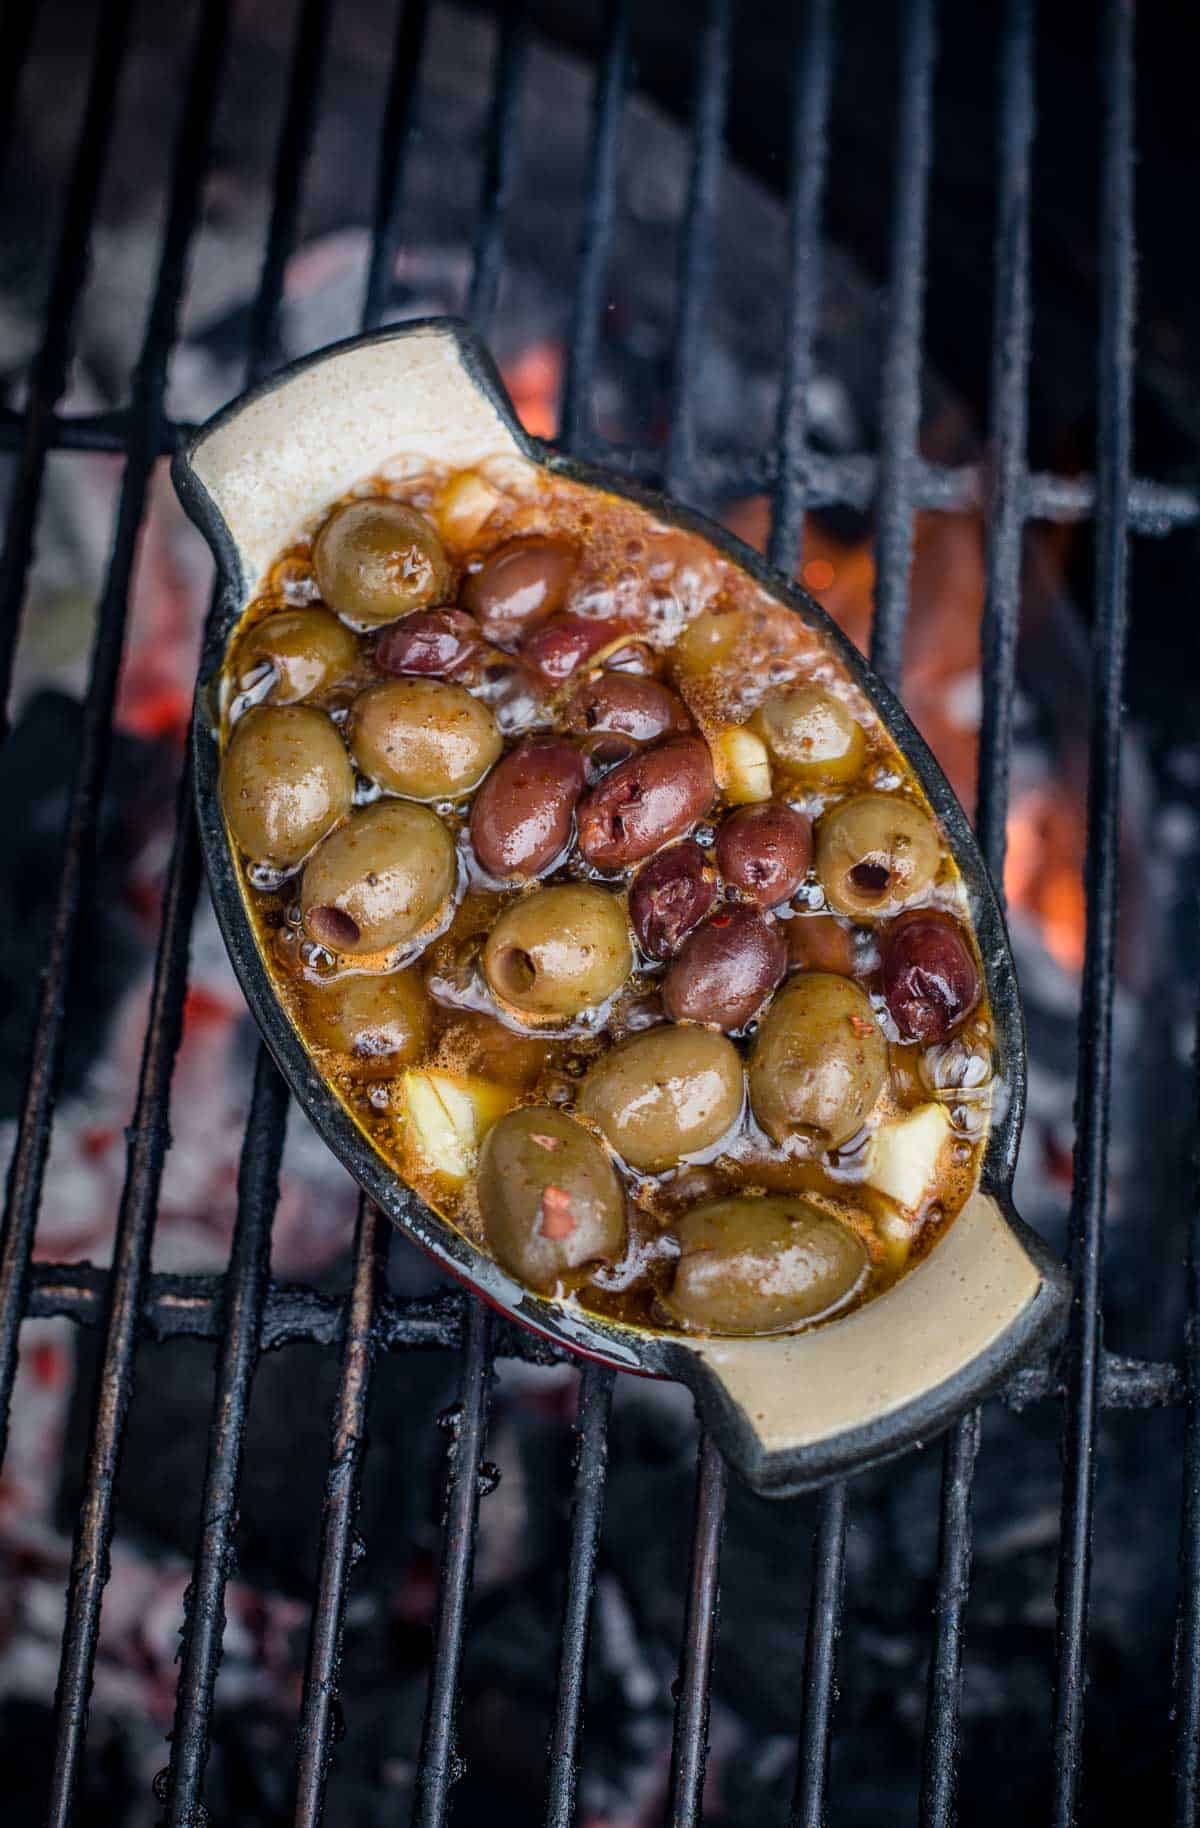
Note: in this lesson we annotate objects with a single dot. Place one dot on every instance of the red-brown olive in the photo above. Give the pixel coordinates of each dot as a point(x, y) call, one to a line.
point(627, 705)
point(816, 942)
point(647, 801)
point(763, 851)
point(602, 751)
point(724, 973)
point(521, 816)
point(557, 647)
point(518, 586)
point(930, 979)
point(436, 642)
point(670, 895)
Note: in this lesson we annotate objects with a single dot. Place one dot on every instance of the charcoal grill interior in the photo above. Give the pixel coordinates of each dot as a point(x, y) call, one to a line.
point(693, 62)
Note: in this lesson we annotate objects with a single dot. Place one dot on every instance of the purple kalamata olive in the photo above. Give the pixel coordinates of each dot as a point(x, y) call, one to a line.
point(647, 801)
point(557, 647)
point(627, 705)
point(521, 816)
point(930, 978)
point(518, 586)
point(670, 895)
point(763, 851)
point(436, 642)
point(724, 973)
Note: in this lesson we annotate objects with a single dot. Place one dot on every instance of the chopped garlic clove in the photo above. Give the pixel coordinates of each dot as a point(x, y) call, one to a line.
point(742, 766)
point(449, 1118)
point(902, 1156)
point(463, 505)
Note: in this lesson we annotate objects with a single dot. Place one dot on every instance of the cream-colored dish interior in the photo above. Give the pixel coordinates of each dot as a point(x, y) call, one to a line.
point(272, 468)
point(276, 465)
point(805, 1388)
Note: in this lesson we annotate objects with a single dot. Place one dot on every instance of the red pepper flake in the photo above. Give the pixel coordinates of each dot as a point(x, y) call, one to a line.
point(861, 1025)
point(558, 1221)
point(721, 920)
point(546, 1142)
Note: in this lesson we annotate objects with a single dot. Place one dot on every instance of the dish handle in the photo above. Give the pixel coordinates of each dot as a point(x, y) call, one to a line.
point(271, 464)
point(795, 1411)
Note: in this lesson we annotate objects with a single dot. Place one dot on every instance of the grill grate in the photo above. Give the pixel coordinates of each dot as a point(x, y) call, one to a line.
point(245, 1311)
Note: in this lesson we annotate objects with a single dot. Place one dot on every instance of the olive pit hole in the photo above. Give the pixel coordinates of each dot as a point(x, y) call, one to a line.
point(870, 878)
point(333, 928)
point(515, 971)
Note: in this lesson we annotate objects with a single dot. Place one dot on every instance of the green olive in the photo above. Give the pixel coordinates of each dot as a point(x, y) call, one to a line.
point(387, 875)
point(383, 1021)
point(286, 780)
point(813, 734)
point(550, 1198)
point(306, 649)
point(664, 1094)
point(558, 951)
point(818, 1062)
point(875, 853)
point(375, 560)
point(423, 738)
point(762, 1265)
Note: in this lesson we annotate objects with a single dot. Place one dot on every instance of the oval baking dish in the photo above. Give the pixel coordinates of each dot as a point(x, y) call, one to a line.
point(789, 1409)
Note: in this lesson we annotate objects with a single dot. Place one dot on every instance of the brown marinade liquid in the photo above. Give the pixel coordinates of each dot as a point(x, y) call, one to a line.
point(658, 580)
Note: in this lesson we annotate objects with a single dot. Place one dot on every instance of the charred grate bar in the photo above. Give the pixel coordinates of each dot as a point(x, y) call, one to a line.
point(245, 1311)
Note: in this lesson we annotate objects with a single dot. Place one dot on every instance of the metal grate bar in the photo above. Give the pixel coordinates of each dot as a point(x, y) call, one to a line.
point(698, 250)
point(1010, 386)
point(33, 1134)
point(49, 374)
point(588, 310)
point(1115, 433)
point(499, 164)
point(939, 1767)
point(689, 1751)
point(467, 1426)
point(810, 139)
point(901, 406)
point(587, 1512)
point(395, 140)
point(820, 1658)
point(17, 29)
point(149, 1139)
point(291, 159)
point(1155, 508)
point(339, 1549)
point(188, 1307)
point(1010, 375)
point(1187, 1629)
point(245, 1294)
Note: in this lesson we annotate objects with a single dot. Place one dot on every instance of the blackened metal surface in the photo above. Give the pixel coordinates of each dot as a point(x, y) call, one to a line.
point(1093, 1088)
point(466, 1428)
point(339, 1546)
point(245, 1296)
point(1187, 1629)
point(689, 1750)
point(587, 1512)
point(820, 1659)
point(1009, 415)
point(901, 406)
point(696, 254)
point(806, 181)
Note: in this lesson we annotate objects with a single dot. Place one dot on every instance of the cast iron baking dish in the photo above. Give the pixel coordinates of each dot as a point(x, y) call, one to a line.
point(788, 1410)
